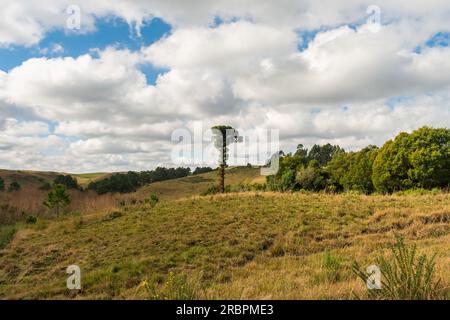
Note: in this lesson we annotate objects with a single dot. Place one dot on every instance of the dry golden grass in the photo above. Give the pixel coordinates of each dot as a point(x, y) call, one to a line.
point(247, 245)
point(195, 185)
point(15, 206)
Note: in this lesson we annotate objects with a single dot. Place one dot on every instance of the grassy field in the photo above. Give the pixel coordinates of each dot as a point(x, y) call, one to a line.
point(16, 206)
point(247, 245)
point(84, 179)
point(196, 185)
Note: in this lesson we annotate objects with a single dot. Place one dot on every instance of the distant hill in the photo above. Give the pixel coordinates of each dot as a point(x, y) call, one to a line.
point(171, 189)
point(30, 178)
point(27, 178)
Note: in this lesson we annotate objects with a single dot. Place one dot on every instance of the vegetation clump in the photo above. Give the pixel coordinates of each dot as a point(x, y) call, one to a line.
point(404, 275)
point(420, 160)
point(31, 219)
point(14, 186)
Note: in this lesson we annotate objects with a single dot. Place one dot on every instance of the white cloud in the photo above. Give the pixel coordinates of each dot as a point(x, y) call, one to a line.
point(348, 86)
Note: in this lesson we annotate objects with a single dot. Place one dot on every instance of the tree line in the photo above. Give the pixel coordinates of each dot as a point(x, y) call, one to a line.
point(420, 159)
point(130, 181)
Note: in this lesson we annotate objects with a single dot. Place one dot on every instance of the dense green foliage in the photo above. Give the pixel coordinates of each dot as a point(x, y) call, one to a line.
point(304, 169)
point(417, 160)
point(353, 170)
point(420, 159)
point(66, 180)
point(130, 181)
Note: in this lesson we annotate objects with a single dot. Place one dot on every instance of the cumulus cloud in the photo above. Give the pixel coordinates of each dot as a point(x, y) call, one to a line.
point(349, 85)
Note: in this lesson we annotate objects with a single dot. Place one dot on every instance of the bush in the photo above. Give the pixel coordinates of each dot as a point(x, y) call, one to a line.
point(153, 200)
point(404, 275)
point(2, 184)
point(213, 189)
point(31, 219)
point(14, 186)
point(331, 267)
point(311, 178)
point(67, 180)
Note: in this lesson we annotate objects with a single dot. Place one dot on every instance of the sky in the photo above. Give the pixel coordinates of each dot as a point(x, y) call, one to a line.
point(101, 86)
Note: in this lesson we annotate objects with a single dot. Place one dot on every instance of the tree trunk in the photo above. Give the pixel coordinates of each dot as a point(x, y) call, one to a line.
point(222, 178)
point(57, 210)
point(224, 163)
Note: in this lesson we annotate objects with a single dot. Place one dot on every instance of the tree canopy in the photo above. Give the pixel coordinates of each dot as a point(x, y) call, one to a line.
point(420, 159)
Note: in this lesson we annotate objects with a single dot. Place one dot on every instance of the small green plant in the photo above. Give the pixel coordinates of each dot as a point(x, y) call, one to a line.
point(176, 287)
point(31, 219)
point(153, 200)
point(405, 276)
point(331, 267)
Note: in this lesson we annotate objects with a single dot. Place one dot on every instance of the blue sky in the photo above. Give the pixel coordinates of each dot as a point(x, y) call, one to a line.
point(111, 31)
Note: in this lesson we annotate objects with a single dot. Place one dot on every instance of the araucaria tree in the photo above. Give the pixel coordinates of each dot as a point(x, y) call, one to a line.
point(223, 137)
point(57, 198)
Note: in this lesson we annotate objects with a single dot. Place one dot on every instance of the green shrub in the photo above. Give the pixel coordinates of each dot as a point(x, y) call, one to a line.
point(14, 186)
point(404, 276)
point(331, 267)
point(153, 200)
point(31, 219)
point(213, 189)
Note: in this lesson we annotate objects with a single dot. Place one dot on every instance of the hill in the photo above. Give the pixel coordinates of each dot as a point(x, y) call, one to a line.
point(197, 184)
point(84, 179)
point(248, 245)
point(27, 178)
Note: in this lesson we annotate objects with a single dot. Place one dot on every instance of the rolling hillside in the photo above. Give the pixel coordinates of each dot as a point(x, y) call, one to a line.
point(196, 185)
point(27, 178)
point(249, 245)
